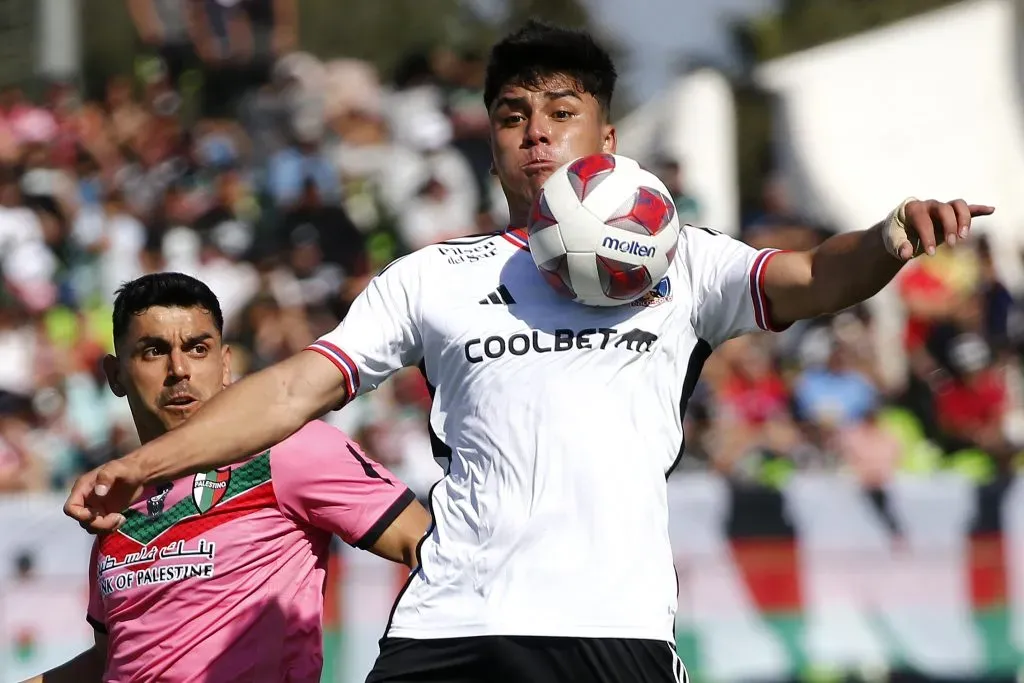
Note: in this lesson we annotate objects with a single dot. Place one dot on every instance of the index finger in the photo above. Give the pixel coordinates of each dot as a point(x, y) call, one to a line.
point(75, 506)
point(981, 210)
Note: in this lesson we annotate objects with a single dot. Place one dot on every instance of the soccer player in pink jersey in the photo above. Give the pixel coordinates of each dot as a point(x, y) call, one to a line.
point(220, 576)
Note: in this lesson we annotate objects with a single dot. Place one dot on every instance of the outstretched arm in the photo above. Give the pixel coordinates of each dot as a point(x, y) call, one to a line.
point(849, 268)
point(379, 335)
point(246, 418)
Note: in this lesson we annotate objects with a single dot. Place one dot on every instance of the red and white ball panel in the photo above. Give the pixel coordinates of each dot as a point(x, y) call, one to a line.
point(615, 223)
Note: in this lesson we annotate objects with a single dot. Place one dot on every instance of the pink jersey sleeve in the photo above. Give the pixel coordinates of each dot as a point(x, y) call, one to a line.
point(95, 614)
point(324, 479)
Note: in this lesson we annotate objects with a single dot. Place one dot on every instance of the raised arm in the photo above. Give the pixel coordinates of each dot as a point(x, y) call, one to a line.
point(379, 336)
point(849, 268)
point(245, 418)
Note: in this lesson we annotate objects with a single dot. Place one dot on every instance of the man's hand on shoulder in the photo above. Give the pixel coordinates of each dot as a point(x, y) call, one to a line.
point(99, 497)
point(918, 227)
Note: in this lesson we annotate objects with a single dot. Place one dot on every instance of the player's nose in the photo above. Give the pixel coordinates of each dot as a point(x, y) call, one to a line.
point(178, 365)
point(537, 131)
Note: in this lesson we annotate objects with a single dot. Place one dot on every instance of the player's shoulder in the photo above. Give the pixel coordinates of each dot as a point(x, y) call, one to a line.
point(470, 250)
point(461, 251)
point(697, 238)
point(703, 247)
point(315, 437)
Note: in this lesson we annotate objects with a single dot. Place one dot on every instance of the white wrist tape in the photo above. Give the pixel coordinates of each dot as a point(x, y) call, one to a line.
point(894, 231)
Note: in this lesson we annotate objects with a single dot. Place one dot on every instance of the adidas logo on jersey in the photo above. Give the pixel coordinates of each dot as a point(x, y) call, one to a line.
point(499, 296)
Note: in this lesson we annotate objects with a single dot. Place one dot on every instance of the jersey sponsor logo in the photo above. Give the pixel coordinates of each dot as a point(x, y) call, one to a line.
point(139, 568)
point(631, 247)
point(593, 338)
point(469, 253)
point(208, 488)
point(661, 293)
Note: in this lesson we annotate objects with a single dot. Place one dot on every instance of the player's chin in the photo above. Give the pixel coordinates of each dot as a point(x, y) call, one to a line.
point(535, 181)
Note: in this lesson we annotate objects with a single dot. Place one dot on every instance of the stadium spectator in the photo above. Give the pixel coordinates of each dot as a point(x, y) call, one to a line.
point(288, 198)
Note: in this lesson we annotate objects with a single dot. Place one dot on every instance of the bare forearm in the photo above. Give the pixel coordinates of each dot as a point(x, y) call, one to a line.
point(852, 267)
point(247, 418)
point(85, 668)
point(844, 271)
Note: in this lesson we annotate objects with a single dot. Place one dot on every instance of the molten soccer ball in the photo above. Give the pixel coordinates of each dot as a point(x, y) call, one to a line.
point(603, 231)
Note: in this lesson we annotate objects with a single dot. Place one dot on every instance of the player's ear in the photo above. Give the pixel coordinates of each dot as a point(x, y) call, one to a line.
point(112, 369)
point(611, 141)
point(225, 355)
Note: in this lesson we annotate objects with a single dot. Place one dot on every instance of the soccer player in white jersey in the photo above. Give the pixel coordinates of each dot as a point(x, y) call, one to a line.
point(549, 559)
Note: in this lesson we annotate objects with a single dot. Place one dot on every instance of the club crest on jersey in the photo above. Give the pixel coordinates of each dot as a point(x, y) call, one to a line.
point(661, 293)
point(155, 503)
point(208, 488)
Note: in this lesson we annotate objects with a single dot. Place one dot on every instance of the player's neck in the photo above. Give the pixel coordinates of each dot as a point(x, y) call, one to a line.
point(147, 434)
point(146, 438)
point(518, 216)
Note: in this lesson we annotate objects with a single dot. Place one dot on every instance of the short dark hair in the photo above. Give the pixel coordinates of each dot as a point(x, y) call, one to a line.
point(175, 290)
point(538, 51)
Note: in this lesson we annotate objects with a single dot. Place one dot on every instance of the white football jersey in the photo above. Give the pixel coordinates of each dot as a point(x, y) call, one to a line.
point(559, 424)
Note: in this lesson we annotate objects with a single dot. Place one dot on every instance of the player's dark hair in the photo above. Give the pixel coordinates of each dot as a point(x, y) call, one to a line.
point(173, 290)
point(538, 51)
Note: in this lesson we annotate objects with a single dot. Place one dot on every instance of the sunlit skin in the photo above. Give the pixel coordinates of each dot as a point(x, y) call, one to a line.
point(169, 363)
point(535, 130)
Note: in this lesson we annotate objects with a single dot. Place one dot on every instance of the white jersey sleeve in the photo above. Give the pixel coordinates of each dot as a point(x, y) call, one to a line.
point(727, 280)
point(381, 332)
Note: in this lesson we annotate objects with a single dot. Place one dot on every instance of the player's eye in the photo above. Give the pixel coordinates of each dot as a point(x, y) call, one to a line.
point(200, 350)
point(150, 352)
point(563, 115)
point(513, 119)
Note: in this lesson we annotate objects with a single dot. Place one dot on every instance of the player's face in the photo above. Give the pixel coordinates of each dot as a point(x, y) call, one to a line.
point(534, 131)
point(170, 362)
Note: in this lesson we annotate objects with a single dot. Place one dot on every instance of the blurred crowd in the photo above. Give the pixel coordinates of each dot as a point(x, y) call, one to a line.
point(282, 181)
point(285, 182)
point(816, 396)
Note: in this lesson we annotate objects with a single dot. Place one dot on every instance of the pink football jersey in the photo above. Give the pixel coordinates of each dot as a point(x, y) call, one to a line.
point(220, 576)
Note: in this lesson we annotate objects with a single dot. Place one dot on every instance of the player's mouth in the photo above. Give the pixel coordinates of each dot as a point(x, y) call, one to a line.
point(181, 402)
point(539, 166)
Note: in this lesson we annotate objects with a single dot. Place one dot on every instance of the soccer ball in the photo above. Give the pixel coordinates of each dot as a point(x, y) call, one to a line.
point(603, 231)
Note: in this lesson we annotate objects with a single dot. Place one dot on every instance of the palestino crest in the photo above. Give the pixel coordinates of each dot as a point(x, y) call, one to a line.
point(209, 487)
point(661, 293)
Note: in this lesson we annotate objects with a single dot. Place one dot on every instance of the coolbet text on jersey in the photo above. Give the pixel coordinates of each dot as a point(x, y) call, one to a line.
point(220, 576)
point(560, 423)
